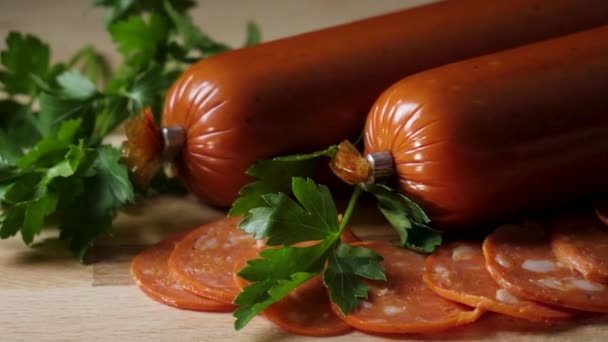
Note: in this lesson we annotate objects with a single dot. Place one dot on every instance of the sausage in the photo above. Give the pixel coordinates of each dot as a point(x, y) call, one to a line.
point(521, 260)
point(404, 304)
point(580, 240)
point(151, 273)
point(309, 91)
point(456, 271)
point(203, 262)
point(499, 135)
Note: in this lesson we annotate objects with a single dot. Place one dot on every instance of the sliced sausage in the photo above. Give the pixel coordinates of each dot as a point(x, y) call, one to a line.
point(521, 260)
point(151, 274)
point(581, 241)
point(203, 262)
point(457, 271)
point(404, 304)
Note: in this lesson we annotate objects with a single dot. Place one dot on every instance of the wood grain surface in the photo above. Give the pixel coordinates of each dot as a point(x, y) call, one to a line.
point(45, 295)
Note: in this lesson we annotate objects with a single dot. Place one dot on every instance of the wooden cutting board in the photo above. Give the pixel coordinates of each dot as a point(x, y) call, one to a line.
point(45, 295)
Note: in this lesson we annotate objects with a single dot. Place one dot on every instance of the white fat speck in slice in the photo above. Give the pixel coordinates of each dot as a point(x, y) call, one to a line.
point(205, 242)
point(585, 285)
point(539, 266)
point(502, 261)
point(551, 283)
point(505, 297)
point(391, 310)
point(442, 272)
point(177, 287)
point(463, 252)
point(377, 320)
point(148, 272)
point(383, 292)
point(365, 304)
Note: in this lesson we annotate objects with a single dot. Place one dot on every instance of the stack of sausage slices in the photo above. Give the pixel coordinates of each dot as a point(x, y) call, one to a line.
point(552, 270)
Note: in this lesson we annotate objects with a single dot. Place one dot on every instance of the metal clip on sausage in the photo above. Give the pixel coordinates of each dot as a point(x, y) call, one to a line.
point(380, 165)
point(173, 138)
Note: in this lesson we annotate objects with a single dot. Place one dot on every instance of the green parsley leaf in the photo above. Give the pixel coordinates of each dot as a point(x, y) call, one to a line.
point(107, 189)
point(277, 273)
point(35, 213)
point(75, 86)
point(285, 222)
point(258, 296)
point(408, 219)
point(149, 88)
point(192, 36)
point(54, 110)
point(25, 55)
point(117, 10)
point(346, 263)
point(137, 40)
point(254, 35)
point(96, 67)
point(274, 175)
point(18, 130)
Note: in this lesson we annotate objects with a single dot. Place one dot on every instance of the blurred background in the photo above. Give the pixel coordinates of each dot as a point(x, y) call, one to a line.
point(69, 24)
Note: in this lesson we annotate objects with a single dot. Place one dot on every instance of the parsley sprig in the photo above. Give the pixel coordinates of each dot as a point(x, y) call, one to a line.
point(55, 169)
point(286, 208)
point(312, 216)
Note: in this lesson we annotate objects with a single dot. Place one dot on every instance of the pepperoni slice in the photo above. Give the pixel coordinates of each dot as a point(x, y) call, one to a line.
point(601, 209)
point(521, 260)
point(456, 271)
point(581, 241)
point(203, 262)
point(404, 304)
point(151, 274)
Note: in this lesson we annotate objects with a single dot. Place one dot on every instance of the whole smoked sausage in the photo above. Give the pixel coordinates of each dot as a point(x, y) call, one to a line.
point(502, 134)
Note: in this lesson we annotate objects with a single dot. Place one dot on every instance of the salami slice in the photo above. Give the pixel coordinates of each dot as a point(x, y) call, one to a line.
point(203, 262)
point(457, 271)
point(151, 274)
point(521, 260)
point(581, 241)
point(404, 304)
point(601, 209)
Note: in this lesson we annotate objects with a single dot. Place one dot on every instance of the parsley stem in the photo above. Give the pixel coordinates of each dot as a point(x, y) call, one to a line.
point(349, 209)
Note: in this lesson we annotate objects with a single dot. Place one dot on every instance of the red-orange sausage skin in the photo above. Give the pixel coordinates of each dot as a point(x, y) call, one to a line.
point(502, 134)
point(306, 92)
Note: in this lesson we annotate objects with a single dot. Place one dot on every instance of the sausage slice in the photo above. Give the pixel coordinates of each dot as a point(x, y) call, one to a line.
point(521, 260)
point(457, 271)
point(404, 304)
point(203, 262)
point(151, 274)
point(580, 240)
